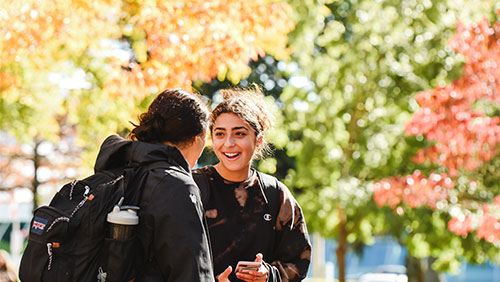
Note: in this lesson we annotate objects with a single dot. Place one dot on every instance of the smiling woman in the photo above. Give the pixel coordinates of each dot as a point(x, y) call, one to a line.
point(234, 143)
point(251, 216)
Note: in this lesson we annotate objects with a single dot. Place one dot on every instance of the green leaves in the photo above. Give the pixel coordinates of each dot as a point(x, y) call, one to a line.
point(365, 61)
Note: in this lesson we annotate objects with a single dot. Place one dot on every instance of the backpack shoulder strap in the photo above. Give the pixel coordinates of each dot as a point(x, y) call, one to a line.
point(270, 191)
point(203, 184)
point(154, 165)
point(133, 190)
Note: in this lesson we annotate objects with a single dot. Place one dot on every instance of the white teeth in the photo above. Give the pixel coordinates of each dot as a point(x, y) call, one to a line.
point(230, 155)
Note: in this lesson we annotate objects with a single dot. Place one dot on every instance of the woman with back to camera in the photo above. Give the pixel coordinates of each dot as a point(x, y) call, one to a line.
point(251, 216)
point(174, 244)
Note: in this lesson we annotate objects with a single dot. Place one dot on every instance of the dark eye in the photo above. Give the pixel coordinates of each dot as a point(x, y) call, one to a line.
point(240, 133)
point(219, 134)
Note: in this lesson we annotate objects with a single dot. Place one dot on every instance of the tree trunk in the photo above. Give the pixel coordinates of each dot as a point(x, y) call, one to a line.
point(35, 183)
point(420, 270)
point(414, 269)
point(342, 247)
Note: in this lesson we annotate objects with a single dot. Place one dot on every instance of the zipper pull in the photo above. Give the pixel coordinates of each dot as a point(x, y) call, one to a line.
point(49, 251)
point(87, 190)
point(101, 276)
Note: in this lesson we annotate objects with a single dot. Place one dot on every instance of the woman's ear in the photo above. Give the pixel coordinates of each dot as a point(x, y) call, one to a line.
point(202, 139)
point(260, 140)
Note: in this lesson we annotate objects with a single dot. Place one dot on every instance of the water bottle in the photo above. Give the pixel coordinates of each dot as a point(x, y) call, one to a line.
point(123, 220)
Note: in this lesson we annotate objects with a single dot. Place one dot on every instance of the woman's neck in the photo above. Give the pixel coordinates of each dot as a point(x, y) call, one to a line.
point(233, 176)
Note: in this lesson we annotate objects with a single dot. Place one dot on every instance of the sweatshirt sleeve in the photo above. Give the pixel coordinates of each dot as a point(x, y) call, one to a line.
point(180, 244)
point(293, 250)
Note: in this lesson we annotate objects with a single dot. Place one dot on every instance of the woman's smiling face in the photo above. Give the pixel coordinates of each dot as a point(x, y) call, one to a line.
point(234, 143)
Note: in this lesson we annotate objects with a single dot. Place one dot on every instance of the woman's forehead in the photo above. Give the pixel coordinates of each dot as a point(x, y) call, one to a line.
point(230, 120)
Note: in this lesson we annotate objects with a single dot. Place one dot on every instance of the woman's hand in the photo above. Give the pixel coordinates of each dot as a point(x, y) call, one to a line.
point(258, 276)
point(223, 277)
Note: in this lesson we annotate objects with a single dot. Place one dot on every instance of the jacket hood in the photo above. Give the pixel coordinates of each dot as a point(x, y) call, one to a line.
point(117, 152)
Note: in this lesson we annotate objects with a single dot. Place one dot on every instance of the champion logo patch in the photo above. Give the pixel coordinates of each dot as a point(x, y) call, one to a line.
point(38, 225)
point(267, 217)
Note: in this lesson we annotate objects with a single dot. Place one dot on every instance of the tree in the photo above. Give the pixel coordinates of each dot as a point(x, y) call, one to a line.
point(360, 63)
point(119, 53)
point(167, 44)
point(43, 164)
point(461, 123)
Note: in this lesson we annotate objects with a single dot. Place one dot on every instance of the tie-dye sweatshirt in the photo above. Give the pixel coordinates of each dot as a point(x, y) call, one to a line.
point(241, 225)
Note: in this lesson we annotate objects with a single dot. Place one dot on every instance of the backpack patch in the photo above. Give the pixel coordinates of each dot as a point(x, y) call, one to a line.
point(38, 225)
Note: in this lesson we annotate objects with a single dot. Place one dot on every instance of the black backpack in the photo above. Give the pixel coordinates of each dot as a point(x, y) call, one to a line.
point(68, 238)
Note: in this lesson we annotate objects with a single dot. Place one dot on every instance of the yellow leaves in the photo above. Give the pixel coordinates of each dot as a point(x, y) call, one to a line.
point(140, 51)
point(43, 32)
point(187, 40)
point(199, 40)
point(238, 72)
point(184, 41)
point(125, 80)
point(172, 43)
point(36, 36)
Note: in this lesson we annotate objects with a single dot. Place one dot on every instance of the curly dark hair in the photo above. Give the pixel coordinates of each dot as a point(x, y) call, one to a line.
point(175, 116)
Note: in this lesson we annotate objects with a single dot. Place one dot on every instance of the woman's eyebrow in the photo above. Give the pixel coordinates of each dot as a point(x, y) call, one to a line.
point(234, 128)
point(239, 127)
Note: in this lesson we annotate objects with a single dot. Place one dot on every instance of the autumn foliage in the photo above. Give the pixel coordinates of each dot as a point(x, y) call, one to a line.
point(463, 137)
point(34, 28)
point(414, 190)
point(173, 42)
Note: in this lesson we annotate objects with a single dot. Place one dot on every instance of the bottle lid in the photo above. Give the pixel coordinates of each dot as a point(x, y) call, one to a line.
point(123, 217)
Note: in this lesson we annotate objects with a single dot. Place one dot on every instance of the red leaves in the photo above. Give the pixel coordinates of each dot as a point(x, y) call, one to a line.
point(463, 137)
point(460, 225)
point(485, 222)
point(414, 190)
point(489, 229)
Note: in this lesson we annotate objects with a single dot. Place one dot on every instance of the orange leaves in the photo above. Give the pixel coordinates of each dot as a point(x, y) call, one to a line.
point(7, 80)
point(40, 34)
point(154, 44)
point(41, 28)
point(198, 40)
point(183, 41)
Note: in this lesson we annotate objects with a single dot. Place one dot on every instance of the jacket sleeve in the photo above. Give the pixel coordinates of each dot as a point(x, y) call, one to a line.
point(293, 249)
point(180, 244)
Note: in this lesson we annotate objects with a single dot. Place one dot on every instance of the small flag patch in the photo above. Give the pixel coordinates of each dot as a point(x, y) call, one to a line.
point(38, 225)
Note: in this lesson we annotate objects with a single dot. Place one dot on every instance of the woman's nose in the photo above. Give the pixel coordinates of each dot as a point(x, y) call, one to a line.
point(229, 141)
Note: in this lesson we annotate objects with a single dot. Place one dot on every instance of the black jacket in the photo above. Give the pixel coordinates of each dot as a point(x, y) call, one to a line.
point(172, 233)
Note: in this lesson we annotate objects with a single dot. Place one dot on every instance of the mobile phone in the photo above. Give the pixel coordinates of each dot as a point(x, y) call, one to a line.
point(245, 266)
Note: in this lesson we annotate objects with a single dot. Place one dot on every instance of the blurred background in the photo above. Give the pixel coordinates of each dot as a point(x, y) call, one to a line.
point(387, 122)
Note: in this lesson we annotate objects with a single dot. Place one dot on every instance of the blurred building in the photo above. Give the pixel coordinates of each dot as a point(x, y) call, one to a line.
point(384, 261)
point(15, 217)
